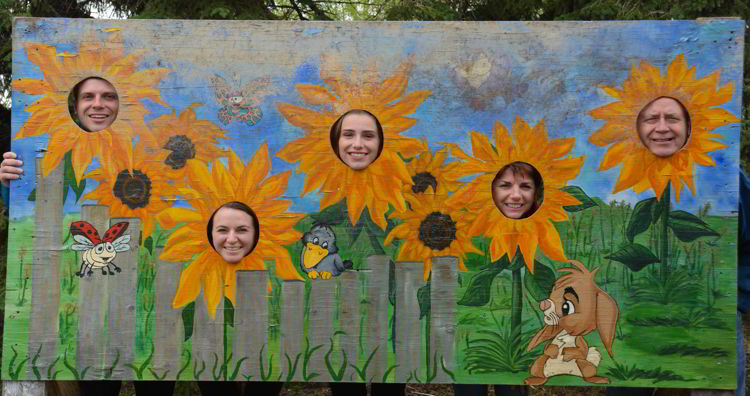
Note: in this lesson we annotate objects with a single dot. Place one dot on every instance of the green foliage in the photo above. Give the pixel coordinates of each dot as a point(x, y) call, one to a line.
point(336, 374)
point(691, 350)
point(540, 283)
point(679, 287)
point(625, 373)
point(187, 319)
point(423, 297)
point(580, 195)
point(502, 350)
point(688, 227)
point(635, 256)
point(478, 291)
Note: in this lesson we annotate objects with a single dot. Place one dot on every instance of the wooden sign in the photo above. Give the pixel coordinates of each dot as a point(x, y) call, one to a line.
point(402, 250)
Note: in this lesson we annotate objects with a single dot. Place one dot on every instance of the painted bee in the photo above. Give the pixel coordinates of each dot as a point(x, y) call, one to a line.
point(99, 252)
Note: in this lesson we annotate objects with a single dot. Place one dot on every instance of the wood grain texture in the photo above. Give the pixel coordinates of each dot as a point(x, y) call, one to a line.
point(375, 308)
point(322, 304)
point(443, 285)
point(292, 329)
point(251, 323)
point(93, 302)
point(45, 282)
point(167, 321)
point(349, 303)
point(409, 278)
point(208, 339)
point(121, 318)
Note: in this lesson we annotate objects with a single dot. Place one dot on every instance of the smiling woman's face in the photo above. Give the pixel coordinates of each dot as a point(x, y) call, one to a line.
point(233, 234)
point(514, 194)
point(663, 127)
point(359, 141)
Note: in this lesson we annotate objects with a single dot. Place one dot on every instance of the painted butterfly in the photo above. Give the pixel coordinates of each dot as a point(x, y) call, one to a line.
point(241, 105)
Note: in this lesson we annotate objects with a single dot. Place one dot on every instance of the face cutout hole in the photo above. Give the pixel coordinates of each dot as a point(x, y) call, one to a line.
point(357, 138)
point(664, 126)
point(233, 231)
point(518, 190)
point(93, 104)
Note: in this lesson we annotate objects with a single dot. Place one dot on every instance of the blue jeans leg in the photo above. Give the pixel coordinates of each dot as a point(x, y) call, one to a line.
point(741, 358)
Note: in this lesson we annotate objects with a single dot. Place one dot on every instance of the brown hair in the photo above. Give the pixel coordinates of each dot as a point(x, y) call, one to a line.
point(238, 206)
point(523, 168)
point(335, 133)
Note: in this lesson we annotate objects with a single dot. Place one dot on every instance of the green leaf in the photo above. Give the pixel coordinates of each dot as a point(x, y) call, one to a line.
point(659, 206)
point(634, 256)
point(541, 282)
point(687, 227)
point(149, 244)
point(332, 215)
point(32, 195)
point(423, 297)
point(518, 261)
point(641, 218)
point(187, 319)
point(70, 179)
point(579, 194)
point(478, 291)
point(228, 312)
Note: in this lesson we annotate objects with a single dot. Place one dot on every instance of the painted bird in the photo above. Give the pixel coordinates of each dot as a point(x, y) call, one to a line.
point(319, 257)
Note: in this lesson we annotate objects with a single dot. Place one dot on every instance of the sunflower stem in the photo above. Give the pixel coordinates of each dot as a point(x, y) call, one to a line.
point(516, 307)
point(664, 248)
point(375, 242)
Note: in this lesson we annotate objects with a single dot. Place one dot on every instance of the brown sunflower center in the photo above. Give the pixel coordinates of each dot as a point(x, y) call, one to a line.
point(422, 180)
point(437, 231)
point(182, 149)
point(133, 189)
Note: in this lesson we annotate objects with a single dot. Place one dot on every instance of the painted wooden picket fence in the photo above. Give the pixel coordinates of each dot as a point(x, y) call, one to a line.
point(107, 321)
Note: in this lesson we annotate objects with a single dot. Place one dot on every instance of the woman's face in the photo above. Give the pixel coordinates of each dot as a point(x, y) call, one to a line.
point(514, 194)
point(233, 234)
point(662, 126)
point(359, 141)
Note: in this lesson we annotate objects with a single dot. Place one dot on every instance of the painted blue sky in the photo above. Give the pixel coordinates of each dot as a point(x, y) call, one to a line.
point(538, 71)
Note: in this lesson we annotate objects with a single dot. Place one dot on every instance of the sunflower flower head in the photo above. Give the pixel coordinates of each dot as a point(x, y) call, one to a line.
point(381, 183)
point(428, 170)
point(208, 190)
point(527, 144)
point(642, 170)
point(139, 191)
point(432, 229)
point(62, 71)
point(186, 138)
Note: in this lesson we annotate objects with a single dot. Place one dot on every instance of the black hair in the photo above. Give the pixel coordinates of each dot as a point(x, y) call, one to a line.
point(238, 206)
point(335, 133)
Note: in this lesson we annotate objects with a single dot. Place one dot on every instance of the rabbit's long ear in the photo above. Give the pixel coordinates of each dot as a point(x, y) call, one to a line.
point(607, 314)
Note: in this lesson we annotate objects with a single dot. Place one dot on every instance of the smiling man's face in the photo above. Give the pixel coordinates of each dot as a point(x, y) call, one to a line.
point(97, 104)
point(663, 127)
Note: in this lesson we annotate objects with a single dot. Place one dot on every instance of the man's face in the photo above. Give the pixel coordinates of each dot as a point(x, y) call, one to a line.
point(97, 104)
point(663, 127)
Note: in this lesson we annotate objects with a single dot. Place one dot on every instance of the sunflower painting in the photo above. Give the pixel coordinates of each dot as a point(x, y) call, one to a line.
point(210, 188)
point(63, 70)
point(390, 248)
point(430, 228)
point(701, 97)
point(550, 157)
point(380, 185)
